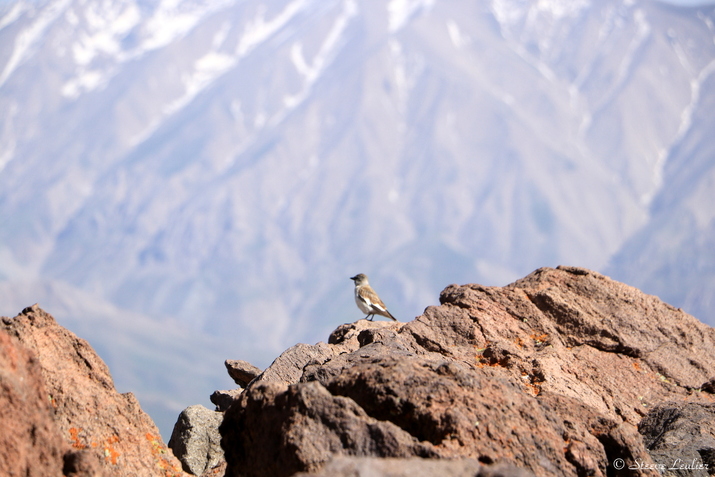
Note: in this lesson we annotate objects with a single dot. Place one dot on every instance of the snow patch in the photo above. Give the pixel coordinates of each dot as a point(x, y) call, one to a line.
point(17, 10)
point(172, 20)
point(401, 11)
point(8, 151)
point(325, 55)
point(30, 36)
point(686, 122)
point(206, 70)
point(259, 30)
point(458, 38)
point(86, 81)
point(510, 13)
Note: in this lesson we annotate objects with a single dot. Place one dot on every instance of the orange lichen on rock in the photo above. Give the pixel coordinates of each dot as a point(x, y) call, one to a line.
point(110, 453)
point(74, 437)
point(158, 450)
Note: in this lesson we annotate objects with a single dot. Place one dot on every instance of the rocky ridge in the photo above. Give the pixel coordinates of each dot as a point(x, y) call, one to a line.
point(564, 372)
point(84, 427)
point(555, 374)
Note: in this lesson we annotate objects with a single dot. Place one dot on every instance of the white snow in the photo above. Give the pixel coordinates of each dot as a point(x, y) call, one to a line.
point(173, 19)
point(686, 122)
point(259, 30)
point(206, 70)
point(401, 11)
point(403, 145)
point(458, 38)
point(8, 151)
point(30, 36)
point(104, 31)
point(15, 12)
point(87, 80)
point(325, 55)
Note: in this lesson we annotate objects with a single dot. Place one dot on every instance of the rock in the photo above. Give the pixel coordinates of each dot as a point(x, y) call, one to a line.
point(195, 439)
point(270, 432)
point(224, 399)
point(288, 367)
point(345, 337)
point(30, 443)
point(242, 372)
point(551, 374)
point(709, 387)
point(680, 437)
point(411, 467)
point(82, 463)
point(217, 471)
point(89, 412)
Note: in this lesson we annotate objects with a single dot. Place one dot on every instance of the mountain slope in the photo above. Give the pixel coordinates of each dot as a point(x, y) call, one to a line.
point(226, 166)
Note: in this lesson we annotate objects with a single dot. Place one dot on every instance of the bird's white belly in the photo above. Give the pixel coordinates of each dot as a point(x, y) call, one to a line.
point(364, 307)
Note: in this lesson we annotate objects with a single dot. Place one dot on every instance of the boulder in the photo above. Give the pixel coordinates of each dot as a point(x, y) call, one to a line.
point(224, 398)
point(30, 443)
point(195, 439)
point(288, 367)
point(551, 374)
point(279, 430)
point(680, 437)
point(242, 372)
point(88, 411)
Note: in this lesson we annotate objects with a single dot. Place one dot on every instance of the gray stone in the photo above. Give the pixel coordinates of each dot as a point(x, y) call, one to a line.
point(680, 437)
point(196, 441)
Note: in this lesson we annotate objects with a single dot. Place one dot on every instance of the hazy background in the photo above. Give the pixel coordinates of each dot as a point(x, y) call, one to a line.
point(187, 182)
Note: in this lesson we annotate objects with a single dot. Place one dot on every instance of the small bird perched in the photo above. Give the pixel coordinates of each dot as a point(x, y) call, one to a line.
point(367, 300)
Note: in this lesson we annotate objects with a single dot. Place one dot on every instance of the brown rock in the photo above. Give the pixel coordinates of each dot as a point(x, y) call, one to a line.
point(344, 466)
point(30, 444)
point(242, 372)
point(552, 373)
point(90, 413)
point(82, 463)
point(270, 433)
point(345, 337)
point(288, 367)
point(224, 398)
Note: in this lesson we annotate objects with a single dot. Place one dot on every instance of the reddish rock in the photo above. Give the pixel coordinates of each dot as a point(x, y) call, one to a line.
point(242, 372)
point(552, 374)
point(288, 367)
point(223, 399)
point(280, 430)
point(90, 414)
point(29, 441)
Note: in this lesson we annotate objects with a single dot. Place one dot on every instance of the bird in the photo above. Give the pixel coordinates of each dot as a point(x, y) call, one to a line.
point(367, 300)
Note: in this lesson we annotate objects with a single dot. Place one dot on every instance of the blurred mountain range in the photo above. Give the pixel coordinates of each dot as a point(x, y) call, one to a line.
point(183, 182)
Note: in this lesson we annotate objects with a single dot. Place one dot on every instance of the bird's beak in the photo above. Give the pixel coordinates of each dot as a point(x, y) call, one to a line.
point(353, 278)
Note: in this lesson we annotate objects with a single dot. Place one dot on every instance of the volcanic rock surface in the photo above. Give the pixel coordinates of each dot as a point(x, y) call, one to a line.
point(107, 431)
point(29, 440)
point(550, 375)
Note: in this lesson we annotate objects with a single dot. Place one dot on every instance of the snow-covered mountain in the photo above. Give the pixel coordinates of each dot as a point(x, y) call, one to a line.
point(216, 170)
